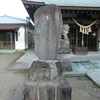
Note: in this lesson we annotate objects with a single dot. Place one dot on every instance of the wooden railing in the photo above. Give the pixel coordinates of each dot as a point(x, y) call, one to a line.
point(6, 45)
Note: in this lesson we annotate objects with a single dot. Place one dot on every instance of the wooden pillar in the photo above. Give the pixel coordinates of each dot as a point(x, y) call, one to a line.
point(98, 39)
point(87, 40)
point(7, 39)
point(11, 40)
point(76, 37)
point(82, 39)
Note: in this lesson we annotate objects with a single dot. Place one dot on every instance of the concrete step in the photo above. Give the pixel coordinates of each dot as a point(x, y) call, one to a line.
point(95, 77)
point(24, 62)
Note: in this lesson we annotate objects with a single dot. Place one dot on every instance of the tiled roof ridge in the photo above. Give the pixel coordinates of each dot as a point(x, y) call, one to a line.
point(14, 18)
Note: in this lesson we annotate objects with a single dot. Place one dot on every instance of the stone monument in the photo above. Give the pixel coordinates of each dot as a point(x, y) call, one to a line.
point(48, 28)
point(45, 80)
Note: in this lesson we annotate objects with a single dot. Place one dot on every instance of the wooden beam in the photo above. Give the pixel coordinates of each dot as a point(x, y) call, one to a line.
point(69, 15)
point(80, 8)
point(76, 37)
point(82, 42)
point(72, 22)
point(75, 15)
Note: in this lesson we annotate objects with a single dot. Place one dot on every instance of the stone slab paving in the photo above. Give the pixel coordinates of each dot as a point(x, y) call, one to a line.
point(81, 65)
point(80, 68)
point(90, 68)
point(89, 56)
point(25, 61)
point(95, 77)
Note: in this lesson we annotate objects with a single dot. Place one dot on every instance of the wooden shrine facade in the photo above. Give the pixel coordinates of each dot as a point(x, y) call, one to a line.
point(77, 38)
point(83, 15)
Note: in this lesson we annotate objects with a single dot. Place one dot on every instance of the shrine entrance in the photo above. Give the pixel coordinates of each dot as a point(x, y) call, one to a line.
point(90, 40)
point(82, 41)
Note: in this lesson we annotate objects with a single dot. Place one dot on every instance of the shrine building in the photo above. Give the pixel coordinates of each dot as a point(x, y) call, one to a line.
point(15, 33)
point(82, 17)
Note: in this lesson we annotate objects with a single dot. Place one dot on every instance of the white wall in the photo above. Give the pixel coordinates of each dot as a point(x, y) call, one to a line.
point(20, 44)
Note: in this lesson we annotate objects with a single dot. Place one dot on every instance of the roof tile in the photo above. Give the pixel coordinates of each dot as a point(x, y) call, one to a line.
point(12, 20)
point(85, 3)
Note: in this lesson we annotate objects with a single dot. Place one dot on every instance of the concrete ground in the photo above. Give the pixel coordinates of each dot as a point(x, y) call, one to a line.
point(88, 65)
point(83, 89)
point(24, 63)
point(89, 56)
point(11, 82)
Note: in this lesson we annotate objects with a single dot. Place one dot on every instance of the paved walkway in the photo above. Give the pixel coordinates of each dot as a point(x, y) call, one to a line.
point(81, 68)
point(88, 65)
point(25, 61)
point(95, 77)
point(81, 64)
point(11, 83)
point(82, 89)
point(89, 56)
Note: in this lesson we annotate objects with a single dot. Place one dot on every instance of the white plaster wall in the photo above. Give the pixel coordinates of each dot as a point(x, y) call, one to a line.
point(20, 44)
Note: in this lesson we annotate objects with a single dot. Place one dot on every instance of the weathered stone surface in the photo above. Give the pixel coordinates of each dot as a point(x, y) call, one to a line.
point(59, 68)
point(30, 91)
point(64, 41)
point(65, 61)
point(48, 28)
point(45, 76)
point(64, 90)
point(45, 70)
point(47, 92)
point(64, 48)
point(58, 90)
point(40, 71)
point(67, 66)
point(40, 90)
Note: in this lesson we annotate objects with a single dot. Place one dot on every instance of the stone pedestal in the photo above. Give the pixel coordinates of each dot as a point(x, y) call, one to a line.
point(45, 82)
point(42, 70)
point(64, 50)
point(56, 90)
point(64, 41)
point(65, 61)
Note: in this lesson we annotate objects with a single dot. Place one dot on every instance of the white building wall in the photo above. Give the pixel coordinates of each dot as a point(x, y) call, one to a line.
point(20, 44)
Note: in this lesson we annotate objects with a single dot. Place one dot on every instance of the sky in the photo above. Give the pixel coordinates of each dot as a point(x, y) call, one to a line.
point(13, 8)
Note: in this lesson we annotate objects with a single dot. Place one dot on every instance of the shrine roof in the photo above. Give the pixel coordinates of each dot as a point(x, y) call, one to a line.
point(80, 3)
